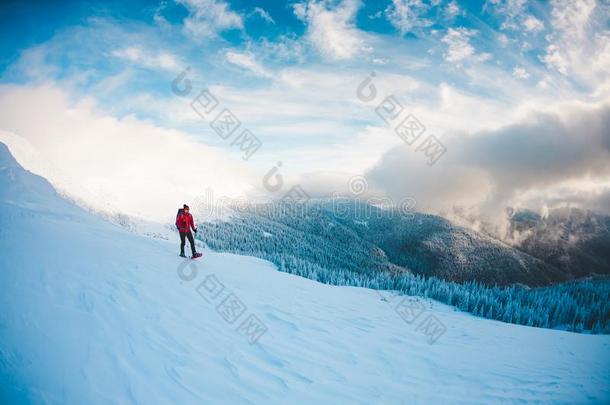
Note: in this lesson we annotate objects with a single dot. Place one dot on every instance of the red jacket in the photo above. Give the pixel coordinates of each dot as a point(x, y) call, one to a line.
point(185, 223)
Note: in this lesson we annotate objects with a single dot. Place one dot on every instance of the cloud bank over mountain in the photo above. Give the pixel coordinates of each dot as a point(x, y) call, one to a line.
point(546, 160)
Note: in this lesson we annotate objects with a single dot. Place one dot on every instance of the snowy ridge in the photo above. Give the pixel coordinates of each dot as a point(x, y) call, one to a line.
point(101, 315)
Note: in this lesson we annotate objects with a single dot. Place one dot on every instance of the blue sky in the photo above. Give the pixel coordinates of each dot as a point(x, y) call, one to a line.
point(289, 71)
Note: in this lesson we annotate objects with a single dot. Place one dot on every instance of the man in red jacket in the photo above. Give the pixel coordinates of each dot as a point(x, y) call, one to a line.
point(184, 222)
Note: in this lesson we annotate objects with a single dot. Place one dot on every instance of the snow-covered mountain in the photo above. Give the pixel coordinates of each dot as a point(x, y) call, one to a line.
point(351, 232)
point(92, 313)
point(360, 245)
point(573, 240)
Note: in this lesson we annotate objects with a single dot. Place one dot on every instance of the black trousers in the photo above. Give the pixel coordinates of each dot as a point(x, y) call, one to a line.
point(183, 237)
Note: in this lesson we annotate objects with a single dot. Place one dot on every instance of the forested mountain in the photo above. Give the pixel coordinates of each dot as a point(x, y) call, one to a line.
point(575, 241)
point(360, 237)
point(358, 244)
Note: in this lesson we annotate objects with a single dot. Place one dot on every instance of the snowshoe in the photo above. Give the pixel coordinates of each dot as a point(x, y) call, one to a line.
point(182, 255)
point(196, 255)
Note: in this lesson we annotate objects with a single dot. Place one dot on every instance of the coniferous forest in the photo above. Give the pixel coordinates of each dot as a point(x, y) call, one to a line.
point(359, 246)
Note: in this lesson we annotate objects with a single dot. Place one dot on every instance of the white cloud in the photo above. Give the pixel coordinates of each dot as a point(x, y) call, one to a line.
point(331, 30)
point(125, 164)
point(405, 15)
point(376, 15)
point(458, 44)
point(520, 73)
point(511, 11)
point(160, 60)
point(33, 63)
point(572, 17)
point(452, 10)
point(579, 43)
point(247, 60)
point(514, 15)
point(262, 13)
point(483, 57)
point(503, 39)
point(556, 59)
point(131, 53)
point(209, 17)
point(158, 17)
point(533, 24)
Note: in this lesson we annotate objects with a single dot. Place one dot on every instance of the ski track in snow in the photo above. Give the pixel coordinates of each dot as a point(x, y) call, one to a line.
point(94, 314)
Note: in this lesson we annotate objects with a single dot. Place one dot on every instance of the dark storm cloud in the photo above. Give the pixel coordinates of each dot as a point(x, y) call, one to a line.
point(496, 168)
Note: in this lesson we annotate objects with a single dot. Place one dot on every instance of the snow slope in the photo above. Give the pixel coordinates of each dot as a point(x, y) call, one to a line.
point(94, 314)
